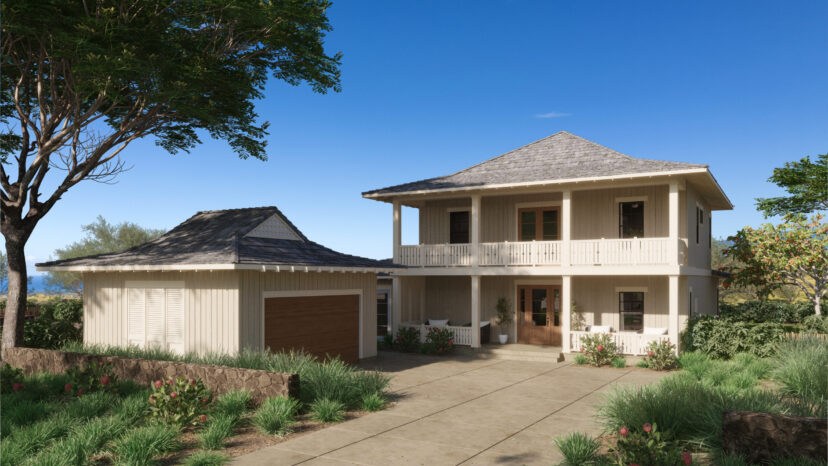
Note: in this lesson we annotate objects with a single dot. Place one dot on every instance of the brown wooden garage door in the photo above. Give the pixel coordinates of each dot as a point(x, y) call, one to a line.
point(321, 325)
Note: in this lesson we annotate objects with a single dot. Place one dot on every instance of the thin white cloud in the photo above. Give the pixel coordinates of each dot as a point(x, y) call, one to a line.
point(552, 115)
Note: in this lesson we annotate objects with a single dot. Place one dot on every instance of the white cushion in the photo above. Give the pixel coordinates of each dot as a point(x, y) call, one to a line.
point(654, 331)
point(484, 323)
point(600, 329)
point(438, 323)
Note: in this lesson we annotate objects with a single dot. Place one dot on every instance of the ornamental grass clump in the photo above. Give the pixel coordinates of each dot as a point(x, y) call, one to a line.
point(218, 428)
point(373, 402)
point(206, 458)
point(141, 445)
point(179, 402)
point(661, 355)
point(233, 403)
point(324, 410)
point(802, 372)
point(578, 449)
point(599, 349)
point(276, 415)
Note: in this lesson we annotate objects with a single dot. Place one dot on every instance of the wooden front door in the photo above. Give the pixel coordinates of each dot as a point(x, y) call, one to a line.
point(539, 315)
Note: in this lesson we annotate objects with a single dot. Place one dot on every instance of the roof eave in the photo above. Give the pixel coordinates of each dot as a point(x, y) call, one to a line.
point(213, 267)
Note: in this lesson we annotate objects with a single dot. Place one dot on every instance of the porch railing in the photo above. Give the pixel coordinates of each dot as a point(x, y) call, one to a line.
point(521, 253)
point(435, 255)
point(632, 251)
point(627, 342)
point(462, 335)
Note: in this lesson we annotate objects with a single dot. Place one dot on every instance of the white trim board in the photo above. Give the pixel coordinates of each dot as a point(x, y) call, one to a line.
point(631, 289)
point(211, 268)
point(302, 293)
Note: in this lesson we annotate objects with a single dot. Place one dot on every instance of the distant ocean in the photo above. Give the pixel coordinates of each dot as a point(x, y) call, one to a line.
point(38, 285)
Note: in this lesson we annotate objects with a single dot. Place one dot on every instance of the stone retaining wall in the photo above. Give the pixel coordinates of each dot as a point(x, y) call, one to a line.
point(218, 379)
point(762, 437)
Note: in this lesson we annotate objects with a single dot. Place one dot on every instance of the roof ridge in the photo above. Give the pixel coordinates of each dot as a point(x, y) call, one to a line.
point(235, 209)
point(506, 153)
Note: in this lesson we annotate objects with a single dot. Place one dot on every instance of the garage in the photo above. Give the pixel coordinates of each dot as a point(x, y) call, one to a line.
point(326, 325)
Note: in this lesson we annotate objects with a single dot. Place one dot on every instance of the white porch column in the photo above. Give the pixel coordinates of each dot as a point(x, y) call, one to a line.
point(397, 230)
point(673, 202)
point(396, 305)
point(566, 228)
point(475, 230)
point(475, 310)
point(566, 311)
point(673, 299)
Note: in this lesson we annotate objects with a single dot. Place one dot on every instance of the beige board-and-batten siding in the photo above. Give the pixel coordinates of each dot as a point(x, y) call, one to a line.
point(222, 309)
point(254, 285)
point(211, 308)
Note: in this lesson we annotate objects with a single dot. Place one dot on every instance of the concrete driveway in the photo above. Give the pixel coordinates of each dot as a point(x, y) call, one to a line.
point(462, 411)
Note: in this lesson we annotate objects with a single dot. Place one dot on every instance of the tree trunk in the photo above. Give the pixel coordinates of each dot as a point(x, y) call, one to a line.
point(18, 292)
point(817, 304)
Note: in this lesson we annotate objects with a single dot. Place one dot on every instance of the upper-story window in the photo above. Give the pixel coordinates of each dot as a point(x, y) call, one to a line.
point(539, 224)
point(459, 227)
point(631, 219)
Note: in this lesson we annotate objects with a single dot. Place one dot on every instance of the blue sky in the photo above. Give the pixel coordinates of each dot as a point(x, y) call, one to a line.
point(430, 88)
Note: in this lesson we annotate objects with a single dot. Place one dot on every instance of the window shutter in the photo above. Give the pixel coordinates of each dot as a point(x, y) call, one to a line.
point(135, 316)
point(175, 320)
point(155, 317)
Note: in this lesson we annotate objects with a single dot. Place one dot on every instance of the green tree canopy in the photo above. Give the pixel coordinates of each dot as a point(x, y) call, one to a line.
point(792, 253)
point(81, 80)
point(807, 184)
point(101, 237)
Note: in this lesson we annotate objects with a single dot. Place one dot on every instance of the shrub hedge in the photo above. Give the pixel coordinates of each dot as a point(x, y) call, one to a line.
point(767, 311)
point(723, 337)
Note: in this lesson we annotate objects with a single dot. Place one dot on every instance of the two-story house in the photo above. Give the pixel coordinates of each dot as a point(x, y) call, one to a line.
point(576, 236)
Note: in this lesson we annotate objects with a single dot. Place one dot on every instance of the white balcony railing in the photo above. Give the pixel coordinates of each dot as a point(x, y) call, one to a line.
point(462, 335)
point(627, 342)
point(633, 251)
point(521, 253)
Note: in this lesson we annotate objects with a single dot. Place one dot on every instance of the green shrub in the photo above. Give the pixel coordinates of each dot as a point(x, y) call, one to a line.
point(580, 359)
point(206, 458)
point(661, 355)
point(767, 311)
point(599, 349)
point(218, 428)
point(373, 402)
point(276, 415)
point(59, 322)
point(619, 363)
point(815, 324)
point(578, 449)
point(140, 445)
point(802, 372)
point(438, 341)
point(11, 379)
point(722, 338)
point(642, 364)
point(91, 378)
point(325, 410)
point(646, 445)
point(179, 402)
point(233, 403)
point(408, 339)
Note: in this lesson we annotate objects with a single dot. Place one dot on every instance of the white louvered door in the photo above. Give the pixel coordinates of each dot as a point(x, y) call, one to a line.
point(175, 320)
point(155, 315)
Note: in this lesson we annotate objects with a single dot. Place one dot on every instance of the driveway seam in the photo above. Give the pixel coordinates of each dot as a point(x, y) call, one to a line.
point(562, 365)
point(543, 418)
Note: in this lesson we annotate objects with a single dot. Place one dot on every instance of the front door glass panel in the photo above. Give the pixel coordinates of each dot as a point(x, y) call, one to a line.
point(539, 306)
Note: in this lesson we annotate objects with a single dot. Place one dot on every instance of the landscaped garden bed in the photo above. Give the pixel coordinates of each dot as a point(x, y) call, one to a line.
point(89, 415)
point(679, 419)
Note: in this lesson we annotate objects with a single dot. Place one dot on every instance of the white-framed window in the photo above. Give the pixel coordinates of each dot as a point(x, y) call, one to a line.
point(155, 315)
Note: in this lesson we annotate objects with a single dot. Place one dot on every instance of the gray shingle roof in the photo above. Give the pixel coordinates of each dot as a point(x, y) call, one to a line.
point(558, 157)
point(218, 237)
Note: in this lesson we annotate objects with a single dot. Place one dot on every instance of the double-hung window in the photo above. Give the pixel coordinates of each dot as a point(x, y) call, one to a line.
point(631, 219)
point(459, 227)
point(631, 310)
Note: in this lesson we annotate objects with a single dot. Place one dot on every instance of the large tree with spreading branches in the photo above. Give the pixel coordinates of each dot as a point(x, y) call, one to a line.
point(771, 256)
point(805, 181)
point(82, 79)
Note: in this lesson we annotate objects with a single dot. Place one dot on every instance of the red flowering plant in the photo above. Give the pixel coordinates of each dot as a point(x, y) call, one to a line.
point(599, 349)
point(438, 340)
point(179, 401)
point(407, 339)
point(95, 376)
point(661, 355)
point(648, 447)
point(11, 379)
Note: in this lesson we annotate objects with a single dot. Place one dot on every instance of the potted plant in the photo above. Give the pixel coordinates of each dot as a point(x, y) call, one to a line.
point(504, 319)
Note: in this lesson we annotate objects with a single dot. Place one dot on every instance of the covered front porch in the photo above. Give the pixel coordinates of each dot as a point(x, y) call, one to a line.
point(555, 311)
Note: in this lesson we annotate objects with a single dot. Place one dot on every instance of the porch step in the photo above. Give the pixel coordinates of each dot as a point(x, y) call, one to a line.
point(518, 352)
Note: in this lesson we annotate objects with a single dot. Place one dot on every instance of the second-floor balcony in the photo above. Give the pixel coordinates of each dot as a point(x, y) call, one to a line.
point(596, 252)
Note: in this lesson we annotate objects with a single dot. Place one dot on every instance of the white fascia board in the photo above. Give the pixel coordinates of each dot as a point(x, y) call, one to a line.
point(586, 270)
point(211, 267)
point(689, 171)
